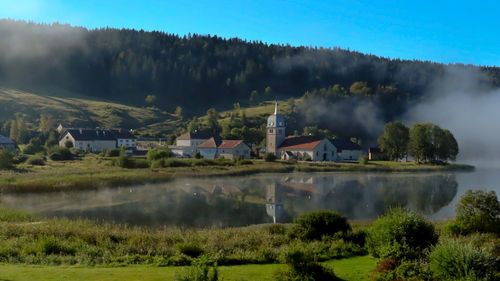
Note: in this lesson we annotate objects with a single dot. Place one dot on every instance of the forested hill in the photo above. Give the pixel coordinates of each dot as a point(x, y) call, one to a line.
point(196, 72)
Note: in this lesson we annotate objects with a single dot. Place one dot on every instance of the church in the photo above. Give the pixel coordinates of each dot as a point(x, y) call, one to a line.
point(306, 147)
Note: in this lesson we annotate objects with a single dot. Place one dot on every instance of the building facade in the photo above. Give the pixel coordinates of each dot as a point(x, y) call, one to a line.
point(6, 143)
point(216, 147)
point(186, 145)
point(98, 140)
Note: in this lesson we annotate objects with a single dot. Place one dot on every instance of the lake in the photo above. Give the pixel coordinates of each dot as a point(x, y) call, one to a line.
point(264, 198)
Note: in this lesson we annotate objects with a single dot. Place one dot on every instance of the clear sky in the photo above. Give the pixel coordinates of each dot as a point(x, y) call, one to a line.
point(442, 31)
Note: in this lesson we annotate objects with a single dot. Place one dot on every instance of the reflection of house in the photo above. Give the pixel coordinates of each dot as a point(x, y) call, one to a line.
point(306, 147)
point(375, 153)
point(6, 143)
point(186, 145)
point(347, 150)
point(228, 149)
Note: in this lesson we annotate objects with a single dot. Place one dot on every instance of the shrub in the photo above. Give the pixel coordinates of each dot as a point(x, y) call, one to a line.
point(400, 234)
point(36, 160)
point(68, 144)
point(455, 260)
point(197, 155)
point(33, 149)
point(269, 157)
point(60, 154)
point(141, 163)
point(19, 158)
point(203, 269)
point(316, 224)
point(190, 249)
point(477, 211)
point(112, 152)
point(245, 162)
point(363, 160)
point(175, 163)
point(124, 161)
point(159, 153)
point(302, 266)
point(413, 270)
point(6, 159)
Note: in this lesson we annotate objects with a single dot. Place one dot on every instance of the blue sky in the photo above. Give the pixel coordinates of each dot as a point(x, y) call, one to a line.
point(442, 31)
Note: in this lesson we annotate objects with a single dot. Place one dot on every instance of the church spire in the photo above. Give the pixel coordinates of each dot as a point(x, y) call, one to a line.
point(276, 108)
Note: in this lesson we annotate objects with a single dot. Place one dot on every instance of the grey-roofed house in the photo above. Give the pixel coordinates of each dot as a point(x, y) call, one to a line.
point(347, 150)
point(93, 139)
point(125, 139)
point(6, 143)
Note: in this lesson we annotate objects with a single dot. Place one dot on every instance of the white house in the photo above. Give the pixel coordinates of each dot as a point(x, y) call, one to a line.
point(347, 150)
point(186, 145)
point(124, 139)
point(97, 140)
point(228, 149)
point(6, 143)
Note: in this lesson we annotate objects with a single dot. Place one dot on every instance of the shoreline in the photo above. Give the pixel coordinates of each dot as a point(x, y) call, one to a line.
point(94, 173)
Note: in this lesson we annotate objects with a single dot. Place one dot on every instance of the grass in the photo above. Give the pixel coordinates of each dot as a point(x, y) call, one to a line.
point(94, 172)
point(355, 269)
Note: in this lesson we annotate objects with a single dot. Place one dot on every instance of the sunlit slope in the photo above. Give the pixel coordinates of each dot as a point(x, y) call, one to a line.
point(77, 110)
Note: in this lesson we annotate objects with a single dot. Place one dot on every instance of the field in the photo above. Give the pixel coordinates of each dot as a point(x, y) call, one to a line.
point(94, 171)
point(355, 269)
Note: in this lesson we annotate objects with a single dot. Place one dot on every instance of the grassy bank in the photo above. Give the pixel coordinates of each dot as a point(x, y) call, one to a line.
point(355, 269)
point(93, 172)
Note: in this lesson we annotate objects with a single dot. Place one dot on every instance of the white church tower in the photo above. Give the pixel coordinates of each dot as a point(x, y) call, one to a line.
point(275, 131)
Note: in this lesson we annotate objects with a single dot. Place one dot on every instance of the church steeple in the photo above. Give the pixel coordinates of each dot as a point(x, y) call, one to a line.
point(275, 131)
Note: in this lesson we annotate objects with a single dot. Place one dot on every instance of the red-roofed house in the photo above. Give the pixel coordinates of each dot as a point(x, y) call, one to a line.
point(186, 145)
point(217, 147)
point(307, 148)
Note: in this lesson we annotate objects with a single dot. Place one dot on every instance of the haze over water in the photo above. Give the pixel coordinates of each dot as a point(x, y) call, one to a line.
point(247, 200)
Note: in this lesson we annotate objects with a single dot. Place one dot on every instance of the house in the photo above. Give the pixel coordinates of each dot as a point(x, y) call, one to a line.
point(375, 153)
point(307, 148)
point(124, 139)
point(216, 147)
point(347, 150)
point(186, 145)
point(6, 143)
point(97, 140)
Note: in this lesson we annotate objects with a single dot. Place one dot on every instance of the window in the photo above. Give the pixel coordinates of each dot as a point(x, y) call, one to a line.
point(271, 131)
point(317, 153)
point(279, 131)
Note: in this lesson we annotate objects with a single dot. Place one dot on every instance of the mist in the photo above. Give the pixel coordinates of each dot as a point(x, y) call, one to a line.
point(468, 106)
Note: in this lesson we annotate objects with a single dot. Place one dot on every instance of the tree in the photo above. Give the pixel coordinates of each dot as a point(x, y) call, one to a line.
point(360, 89)
point(213, 121)
point(150, 99)
point(6, 159)
point(394, 140)
point(254, 98)
point(178, 112)
point(446, 146)
point(46, 123)
point(193, 125)
point(420, 145)
point(478, 211)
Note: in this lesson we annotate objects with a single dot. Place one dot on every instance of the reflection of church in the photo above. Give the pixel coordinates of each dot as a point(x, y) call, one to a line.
point(275, 201)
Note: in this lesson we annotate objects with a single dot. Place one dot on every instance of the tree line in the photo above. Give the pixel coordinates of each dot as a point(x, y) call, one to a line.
point(425, 142)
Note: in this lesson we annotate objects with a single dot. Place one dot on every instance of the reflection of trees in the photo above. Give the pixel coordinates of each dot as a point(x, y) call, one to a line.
point(424, 194)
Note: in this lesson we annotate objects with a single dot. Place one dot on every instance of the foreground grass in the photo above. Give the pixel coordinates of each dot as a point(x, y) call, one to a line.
point(355, 269)
point(94, 172)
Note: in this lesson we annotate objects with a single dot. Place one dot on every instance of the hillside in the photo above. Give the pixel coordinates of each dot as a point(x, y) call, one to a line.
point(78, 110)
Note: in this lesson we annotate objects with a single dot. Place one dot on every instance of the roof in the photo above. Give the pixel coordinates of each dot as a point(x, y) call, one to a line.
point(276, 120)
point(5, 140)
point(345, 145)
point(230, 143)
point(211, 143)
point(302, 142)
point(88, 134)
point(374, 150)
point(195, 135)
point(122, 134)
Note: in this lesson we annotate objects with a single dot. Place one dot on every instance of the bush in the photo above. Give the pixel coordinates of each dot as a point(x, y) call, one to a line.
point(363, 160)
point(477, 211)
point(175, 163)
point(6, 159)
point(112, 152)
point(159, 153)
point(400, 235)
point(456, 260)
point(60, 154)
point(33, 149)
point(390, 269)
point(197, 155)
point(19, 158)
point(68, 144)
point(124, 161)
point(269, 157)
point(190, 249)
point(141, 163)
point(302, 266)
point(203, 269)
point(316, 224)
point(36, 160)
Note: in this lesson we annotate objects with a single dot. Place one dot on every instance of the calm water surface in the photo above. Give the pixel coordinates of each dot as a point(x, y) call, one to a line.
point(239, 201)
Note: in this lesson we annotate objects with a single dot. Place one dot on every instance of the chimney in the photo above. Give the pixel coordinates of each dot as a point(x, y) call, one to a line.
point(81, 131)
point(97, 132)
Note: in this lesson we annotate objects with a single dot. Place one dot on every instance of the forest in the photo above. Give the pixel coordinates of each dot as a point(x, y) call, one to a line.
point(198, 72)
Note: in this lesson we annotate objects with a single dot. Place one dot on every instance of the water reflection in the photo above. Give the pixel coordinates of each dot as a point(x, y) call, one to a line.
point(239, 201)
